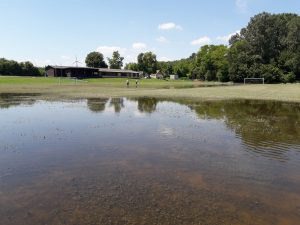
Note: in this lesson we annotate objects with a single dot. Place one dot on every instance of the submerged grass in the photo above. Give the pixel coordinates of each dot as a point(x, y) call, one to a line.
point(115, 87)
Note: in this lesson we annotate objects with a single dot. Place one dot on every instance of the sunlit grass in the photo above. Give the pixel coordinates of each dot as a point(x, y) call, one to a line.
point(116, 87)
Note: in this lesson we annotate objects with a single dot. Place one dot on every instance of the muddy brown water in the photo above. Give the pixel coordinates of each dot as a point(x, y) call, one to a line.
point(149, 161)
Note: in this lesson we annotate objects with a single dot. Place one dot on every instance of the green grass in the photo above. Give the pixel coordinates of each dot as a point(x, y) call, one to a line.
point(16, 80)
point(50, 88)
point(112, 82)
point(151, 83)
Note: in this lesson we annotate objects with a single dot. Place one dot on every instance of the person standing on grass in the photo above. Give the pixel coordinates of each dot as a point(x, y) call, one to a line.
point(136, 83)
point(127, 83)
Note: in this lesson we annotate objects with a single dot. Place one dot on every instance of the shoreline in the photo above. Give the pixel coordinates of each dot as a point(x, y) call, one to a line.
point(275, 92)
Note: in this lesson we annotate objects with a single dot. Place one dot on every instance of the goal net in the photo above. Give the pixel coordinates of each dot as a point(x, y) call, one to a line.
point(254, 80)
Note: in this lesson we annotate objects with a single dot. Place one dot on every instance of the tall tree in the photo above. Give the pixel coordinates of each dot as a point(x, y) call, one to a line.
point(182, 67)
point(28, 69)
point(212, 63)
point(147, 62)
point(116, 62)
point(268, 47)
point(96, 60)
point(132, 66)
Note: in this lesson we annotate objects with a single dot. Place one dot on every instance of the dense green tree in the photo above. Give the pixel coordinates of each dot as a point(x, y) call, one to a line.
point(132, 66)
point(212, 63)
point(11, 67)
point(239, 61)
point(268, 47)
point(28, 69)
point(116, 61)
point(147, 62)
point(165, 68)
point(292, 62)
point(197, 73)
point(96, 60)
point(182, 67)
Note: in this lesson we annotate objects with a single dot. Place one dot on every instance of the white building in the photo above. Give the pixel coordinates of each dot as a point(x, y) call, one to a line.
point(174, 77)
point(157, 75)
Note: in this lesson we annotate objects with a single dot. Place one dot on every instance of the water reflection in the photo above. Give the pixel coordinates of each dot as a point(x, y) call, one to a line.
point(149, 161)
point(8, 100)
point(117, 104)
point(147, 105)
point(97, 104)
point(266, 127)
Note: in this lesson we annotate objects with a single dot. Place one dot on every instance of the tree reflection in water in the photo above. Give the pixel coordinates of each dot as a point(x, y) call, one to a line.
point(266, 127)
point(8, 100)
point(97, 105)
point(147, 105)
point(117, 103)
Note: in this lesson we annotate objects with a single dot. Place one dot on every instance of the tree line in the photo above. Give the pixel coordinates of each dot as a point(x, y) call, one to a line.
point(11, 67)
point(268, 47)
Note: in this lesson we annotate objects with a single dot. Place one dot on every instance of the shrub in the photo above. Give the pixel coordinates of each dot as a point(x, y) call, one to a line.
point(288, 78)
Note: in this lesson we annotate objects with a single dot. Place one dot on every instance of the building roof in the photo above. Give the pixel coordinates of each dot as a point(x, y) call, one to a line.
point(71, 67)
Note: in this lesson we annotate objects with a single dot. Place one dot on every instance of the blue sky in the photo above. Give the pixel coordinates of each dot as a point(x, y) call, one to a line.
point(56, 31)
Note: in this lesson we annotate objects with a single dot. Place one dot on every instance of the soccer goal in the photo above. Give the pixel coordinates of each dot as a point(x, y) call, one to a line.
point(254, 80)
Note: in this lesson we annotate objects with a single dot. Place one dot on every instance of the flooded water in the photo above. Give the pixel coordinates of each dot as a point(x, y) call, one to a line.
point(149, 161)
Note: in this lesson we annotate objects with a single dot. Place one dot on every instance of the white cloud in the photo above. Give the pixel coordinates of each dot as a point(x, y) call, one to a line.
point(169, 26)
point(164, 59)
point(108, 50)
point(226, 38)
point(65, 57)
point(242, 5)
point(162, 39)
point(47, 61)
point(130, 58)
point(201, 41)
point(139, 46)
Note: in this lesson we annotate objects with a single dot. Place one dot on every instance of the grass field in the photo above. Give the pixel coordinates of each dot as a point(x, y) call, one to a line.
point(53, 88)
point(111, 82)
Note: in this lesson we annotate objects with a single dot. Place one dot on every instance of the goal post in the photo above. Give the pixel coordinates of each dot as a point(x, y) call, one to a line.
point(254, 80)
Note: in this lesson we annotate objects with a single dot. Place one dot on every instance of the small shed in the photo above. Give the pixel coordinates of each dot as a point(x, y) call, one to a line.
point(174, 77)
point(157, 75)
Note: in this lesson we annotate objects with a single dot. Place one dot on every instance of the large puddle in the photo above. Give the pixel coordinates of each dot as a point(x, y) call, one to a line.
point(149, 161)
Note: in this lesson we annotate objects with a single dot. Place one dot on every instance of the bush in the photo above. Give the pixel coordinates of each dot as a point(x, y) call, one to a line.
point(271, 73)
point(288, 78)
point(197, 73)
point(222, 76)
point(11, 67)
point(209, 76)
